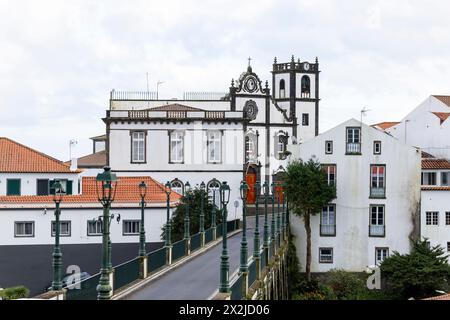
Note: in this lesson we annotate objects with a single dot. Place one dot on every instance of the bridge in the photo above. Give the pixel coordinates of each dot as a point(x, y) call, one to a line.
point(190, 269)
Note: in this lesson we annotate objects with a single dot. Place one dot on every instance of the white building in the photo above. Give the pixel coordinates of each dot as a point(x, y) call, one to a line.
point(234, 136)
point(377, 179)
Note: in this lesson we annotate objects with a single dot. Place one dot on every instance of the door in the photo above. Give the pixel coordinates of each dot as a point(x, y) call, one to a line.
point(251, 179)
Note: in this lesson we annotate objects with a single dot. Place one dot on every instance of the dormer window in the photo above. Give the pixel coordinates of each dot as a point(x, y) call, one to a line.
point(305, 87)
point(282, 93)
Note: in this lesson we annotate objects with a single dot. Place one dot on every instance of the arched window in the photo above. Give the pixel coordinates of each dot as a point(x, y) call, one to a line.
point(306, 87)
point(213, 188)
point(251, 147)
point(177, 186)
point(279, 144)
point(282, 89)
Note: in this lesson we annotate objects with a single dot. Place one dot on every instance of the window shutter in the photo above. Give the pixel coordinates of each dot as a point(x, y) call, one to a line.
point(69, 187)
point(13, 187)
point(52, 186)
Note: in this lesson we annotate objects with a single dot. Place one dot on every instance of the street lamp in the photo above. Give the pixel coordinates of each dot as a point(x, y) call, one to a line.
point(168, 244)
point(143, 193)
point(278, 229)
point(106, 186)
point(202, 214)
point(57, 255)
point(256, 242)
point(272, 186)
point(283, 213)
point(224, 263)
point(187, 188)
point(244, 246)
point(266, 222)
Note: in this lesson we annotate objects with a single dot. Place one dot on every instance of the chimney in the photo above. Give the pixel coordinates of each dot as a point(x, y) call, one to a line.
point(73, 164)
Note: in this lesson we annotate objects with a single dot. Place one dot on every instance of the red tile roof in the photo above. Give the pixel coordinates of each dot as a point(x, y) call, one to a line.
point(127, 192)
point(174, 107)
point(433, 163)
point(94, 160)
point(435, 188)
point(17, 158)
point(442, 115)
point(385, 125)
point(444, 99)
point(441, 297)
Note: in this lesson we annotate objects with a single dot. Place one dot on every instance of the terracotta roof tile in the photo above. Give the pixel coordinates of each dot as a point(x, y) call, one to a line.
point(174, 107)
point(15, 157)
point(435, 188)
point(444, 99)
point(442, 115)
point(441, 297)
point(385, 125)
point(94, 160)
point(127, 192)
point(433, 163)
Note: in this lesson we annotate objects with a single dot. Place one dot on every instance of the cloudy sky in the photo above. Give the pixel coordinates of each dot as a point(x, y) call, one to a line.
point(60, 59)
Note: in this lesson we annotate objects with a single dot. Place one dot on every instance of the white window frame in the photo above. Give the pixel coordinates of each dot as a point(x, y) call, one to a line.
point(377, 181)
point(381, 254)
point(98, 228)
point(377, 220)
point(214, 146)
point(24, 234)
point(180, 186)
point(353, 140)
point(426, 178)
point(432, 218)
point(61, 234)
point(131, 227)
point(328, 220)
point(328, 172)
point(328, 147)
point(176, 146)
point(138, 147)
point(447, 175)
point(377, 147)
point(211, 192)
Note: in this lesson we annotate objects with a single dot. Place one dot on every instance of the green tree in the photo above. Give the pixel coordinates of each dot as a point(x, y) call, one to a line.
point(307, 192)
point(417, 274)
point(177, 219)
point(345, 285)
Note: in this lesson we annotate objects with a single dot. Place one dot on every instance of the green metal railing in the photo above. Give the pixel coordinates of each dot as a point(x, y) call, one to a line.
point(178, 249)
point(219, 230)
point(252, 272)
point(126, 273)
point(156, 259)
point(208, 235)
point(236, 288)
point(263, 259)
point(195, 241)
point(84, 290)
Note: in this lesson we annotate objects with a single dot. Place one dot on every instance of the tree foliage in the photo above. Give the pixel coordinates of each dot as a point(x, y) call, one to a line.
point(14, 293)
point(177, 219)
point(417, 274)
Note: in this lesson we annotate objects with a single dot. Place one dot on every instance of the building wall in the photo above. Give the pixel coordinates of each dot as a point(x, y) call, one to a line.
point(353, 249)
point(28, 184)
point(437, 201)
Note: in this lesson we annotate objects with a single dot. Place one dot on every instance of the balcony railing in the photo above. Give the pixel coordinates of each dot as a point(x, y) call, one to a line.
point(146, 114)
point(353, 147)
point(376, 230)
point(133, 95)
point(377, 192)
point(327, 229)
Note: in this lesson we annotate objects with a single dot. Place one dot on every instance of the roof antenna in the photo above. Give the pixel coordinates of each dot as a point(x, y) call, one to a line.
point(363, 113)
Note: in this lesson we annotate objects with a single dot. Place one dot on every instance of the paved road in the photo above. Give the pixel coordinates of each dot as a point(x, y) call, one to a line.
point(198, 278)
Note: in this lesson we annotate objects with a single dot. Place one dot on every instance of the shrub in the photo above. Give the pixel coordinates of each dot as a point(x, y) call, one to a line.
point(14, 293)
point(345, 285)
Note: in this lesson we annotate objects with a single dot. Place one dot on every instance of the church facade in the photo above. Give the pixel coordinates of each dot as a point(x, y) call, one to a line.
point(240, 135)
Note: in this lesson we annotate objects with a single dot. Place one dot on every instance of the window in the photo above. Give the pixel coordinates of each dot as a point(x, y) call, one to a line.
point(432, 218)
point(328, 147)
point(330, 170)
point(280, 145)
point(64, 228)
point(131, 227)
point(213, 188)
point(428, 178)
point(306, 87)
point(24, 229)
point(380, 255)
point(177, 186)
point(177, 147)
point(448, 246)
point(445, 178)
point(428, 244)
point(214, 146)
point(377, 181)
point(42, 187)
point(95, 228)
point(447, 218)
point(377, 147)
point(353, 145)
point(282, 89)
point(66, 186)
point(376, 227)
point(138, 146)
point(305, 119)
point(13, 187)
point(251, 147)
point(325, 255)
point(328, 221)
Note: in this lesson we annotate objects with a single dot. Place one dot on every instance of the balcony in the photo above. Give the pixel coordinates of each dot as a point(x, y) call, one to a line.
point(353, 148)
point(376, 230)
point(328, 230)
point(377, 192)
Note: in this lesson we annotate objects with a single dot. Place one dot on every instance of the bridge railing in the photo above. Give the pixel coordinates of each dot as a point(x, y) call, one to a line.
point(131, 271)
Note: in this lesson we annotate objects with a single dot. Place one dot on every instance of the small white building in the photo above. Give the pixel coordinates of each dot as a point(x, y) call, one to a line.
point(435, 212)
point(377, 207)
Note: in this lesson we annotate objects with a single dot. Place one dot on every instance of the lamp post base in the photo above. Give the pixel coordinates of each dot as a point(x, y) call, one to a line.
point(168, 255)
point(143, 272)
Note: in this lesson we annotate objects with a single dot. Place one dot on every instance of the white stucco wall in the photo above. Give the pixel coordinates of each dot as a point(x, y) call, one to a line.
point(353, 249)
point(28, 183)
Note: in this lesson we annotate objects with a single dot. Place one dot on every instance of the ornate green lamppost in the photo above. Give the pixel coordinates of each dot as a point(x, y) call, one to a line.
point(266, 222)
point(272, 229)
point(57, 255)
point(244, 245)
point(256, 240)
point(187, 235)
point(213, 215)
point(168, 233)
point(143, 193)
point(202, 215)
point(106, 184)
point(224, 286)
point(283, 215)
point(278, 224)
